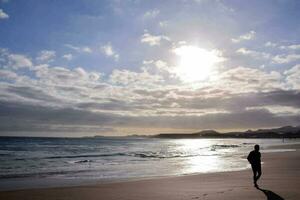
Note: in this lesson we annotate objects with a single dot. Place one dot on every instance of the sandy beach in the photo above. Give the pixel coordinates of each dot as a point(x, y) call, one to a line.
point(280, 180)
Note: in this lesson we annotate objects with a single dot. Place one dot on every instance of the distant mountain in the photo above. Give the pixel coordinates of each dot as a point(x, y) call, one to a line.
point(282, 132)
point(285, 129)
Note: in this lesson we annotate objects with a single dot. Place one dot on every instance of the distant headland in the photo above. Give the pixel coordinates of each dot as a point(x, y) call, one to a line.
point(282, 132)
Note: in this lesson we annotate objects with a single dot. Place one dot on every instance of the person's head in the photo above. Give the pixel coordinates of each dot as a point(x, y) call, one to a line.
point(256, 147)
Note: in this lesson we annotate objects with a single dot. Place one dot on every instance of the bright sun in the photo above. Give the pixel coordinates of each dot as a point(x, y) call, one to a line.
point(196, 63)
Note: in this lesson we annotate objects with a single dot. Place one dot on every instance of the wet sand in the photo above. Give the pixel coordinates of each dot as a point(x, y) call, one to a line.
point(280, 180)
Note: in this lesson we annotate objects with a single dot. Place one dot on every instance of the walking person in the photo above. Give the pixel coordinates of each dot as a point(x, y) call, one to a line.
point(254, 159)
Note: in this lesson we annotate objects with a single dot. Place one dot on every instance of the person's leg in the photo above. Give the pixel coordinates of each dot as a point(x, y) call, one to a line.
point(254, 174)
point(258, 172)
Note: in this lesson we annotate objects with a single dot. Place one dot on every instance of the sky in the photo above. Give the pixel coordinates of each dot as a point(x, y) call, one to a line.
point(119, 67)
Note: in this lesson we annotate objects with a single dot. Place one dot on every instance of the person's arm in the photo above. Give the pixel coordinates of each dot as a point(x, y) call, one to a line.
point(249, 158)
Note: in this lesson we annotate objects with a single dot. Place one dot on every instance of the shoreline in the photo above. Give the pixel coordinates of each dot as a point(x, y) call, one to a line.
point(15, 184)
point(281, 174)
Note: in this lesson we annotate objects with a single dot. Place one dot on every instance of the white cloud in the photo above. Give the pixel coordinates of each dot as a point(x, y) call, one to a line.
point(254, 54)
point(50, 86)
point(277, 109)
point(3, 15)
point(153, 40)
point(182, 42)
point(161, 64)
point(147, 62)
point(6, 74)
point(87, 49)
point(291, 47)
point(281, 59)
point(245, 51)
point(19, 61)
point(62, 77)
point(151, 13)
point(293, 77)
point(247, 36)
point(147, 92)
point(46, 56)
point(244, 79)
point(135, 79)
point(163, 23)
point(83, 49)
point(109, 51)
point(283, 47)
point(271, 44)
point(68, 56)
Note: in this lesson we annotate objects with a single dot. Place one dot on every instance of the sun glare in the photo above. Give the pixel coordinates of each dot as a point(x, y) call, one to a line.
point(195, 63)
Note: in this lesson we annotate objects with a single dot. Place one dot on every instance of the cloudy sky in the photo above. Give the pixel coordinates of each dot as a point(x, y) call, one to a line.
point(116, 67)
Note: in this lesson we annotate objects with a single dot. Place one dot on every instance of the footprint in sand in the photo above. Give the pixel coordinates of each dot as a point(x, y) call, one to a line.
point(199, 197)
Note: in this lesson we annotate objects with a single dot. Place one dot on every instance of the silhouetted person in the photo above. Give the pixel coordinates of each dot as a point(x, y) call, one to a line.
point(254, 160)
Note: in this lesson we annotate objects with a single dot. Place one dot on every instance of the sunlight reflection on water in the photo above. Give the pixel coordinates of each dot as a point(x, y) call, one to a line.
point(210, 156)
point(93, 159)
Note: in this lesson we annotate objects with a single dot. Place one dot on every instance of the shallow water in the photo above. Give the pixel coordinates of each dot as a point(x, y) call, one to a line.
point(72, 160)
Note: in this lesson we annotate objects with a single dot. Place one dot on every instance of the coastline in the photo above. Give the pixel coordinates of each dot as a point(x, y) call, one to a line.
point(59, 179)
point(281, 176)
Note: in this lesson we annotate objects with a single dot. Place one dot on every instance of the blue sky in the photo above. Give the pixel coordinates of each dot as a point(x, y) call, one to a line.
point(147, 66)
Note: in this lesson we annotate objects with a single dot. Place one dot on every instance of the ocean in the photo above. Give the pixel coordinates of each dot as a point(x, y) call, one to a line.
point(47, 162)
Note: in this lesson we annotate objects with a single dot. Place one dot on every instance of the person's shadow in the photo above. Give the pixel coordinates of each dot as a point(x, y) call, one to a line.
point(270, 195)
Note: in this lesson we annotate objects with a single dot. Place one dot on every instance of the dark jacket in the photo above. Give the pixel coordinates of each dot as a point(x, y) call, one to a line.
point(254, 157)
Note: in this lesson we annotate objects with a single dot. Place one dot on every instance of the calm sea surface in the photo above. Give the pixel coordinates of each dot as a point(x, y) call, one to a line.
point(44, 162)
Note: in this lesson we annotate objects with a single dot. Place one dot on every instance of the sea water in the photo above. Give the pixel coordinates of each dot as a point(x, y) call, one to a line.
point(45, 162)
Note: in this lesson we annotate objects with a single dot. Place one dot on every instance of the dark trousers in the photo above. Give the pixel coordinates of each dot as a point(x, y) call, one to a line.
point(256, 172)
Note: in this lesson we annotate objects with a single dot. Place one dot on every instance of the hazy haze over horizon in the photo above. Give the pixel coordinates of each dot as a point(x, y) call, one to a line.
point(79, 68)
